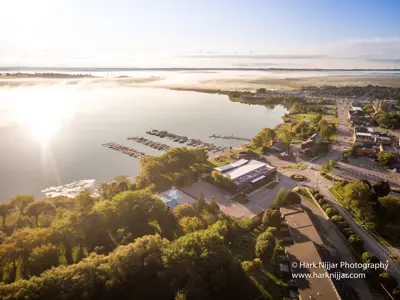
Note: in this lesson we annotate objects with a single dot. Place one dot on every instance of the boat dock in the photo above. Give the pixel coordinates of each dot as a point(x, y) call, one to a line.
point(125, 150)
point(229, 137)
point(150, 143)
point(211, 147)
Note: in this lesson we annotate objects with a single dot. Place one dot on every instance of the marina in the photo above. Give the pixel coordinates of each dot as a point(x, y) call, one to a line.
point(211, 147)
point(149, 143)
point(125, 150)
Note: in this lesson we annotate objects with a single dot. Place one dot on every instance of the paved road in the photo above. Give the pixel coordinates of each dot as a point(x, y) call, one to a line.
point(330, 232)
point(322, 184)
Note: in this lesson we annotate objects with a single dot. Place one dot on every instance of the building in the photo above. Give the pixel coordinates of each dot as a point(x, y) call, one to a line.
point(174, 197)
point(244, 172)
point(304, 254)
point(361, 137)
point(385, 105)
point(366, 150)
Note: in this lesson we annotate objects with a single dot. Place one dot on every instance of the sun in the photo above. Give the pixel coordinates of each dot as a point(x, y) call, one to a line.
point(41, 113)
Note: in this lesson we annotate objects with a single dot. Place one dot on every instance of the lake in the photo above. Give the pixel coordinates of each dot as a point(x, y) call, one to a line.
point(52, 135)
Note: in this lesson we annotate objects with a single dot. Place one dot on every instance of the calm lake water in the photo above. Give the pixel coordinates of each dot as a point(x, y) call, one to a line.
point(51, 136)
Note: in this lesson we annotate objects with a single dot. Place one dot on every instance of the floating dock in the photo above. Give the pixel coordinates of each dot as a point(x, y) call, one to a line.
point(211, 147)
point(149, 143)
point(229, 137)
point(125, 150)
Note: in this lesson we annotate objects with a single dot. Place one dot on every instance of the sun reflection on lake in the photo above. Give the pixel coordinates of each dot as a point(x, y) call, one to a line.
point(41, 113)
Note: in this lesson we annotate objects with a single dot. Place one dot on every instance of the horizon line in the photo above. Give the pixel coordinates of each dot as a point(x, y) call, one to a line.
point(99, 69)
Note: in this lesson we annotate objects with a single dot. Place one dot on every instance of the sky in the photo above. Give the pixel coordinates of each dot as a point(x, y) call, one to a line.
point(200, 34)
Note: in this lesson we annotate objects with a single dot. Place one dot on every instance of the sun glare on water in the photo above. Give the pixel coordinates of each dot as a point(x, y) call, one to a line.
point(41, 113)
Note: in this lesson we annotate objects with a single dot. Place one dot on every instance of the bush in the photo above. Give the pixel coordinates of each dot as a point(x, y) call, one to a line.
point(336, 219)
point(326, 206)
point(347, 232)
point(184, 210)
point(388, 281)
point(331, 212)
point(292, 198)
point(272, 230)
point(342, 225)
point(254, 222)
point(322, 201)
point(357, 243)
point(318, 196)
point(271, 217)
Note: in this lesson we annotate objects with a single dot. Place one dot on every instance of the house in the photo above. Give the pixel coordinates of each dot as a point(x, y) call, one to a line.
point(361, 137)
point(244, 172)
point(385, 105)
point(388, 149)
point(366, 150)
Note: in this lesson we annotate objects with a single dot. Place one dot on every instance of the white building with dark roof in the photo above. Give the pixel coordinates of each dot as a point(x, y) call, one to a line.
point(244, 172)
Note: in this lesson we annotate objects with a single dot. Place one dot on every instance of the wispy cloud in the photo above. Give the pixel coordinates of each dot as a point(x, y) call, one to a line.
point(257, 56)
point(383, 60)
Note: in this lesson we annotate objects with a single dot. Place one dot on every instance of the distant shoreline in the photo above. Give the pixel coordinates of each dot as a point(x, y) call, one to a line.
point(91, 69)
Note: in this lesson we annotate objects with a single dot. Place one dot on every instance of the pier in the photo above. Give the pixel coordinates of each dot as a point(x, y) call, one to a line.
point(125, 150)
point(149, 143)
point(211, 147)
point(229, 137)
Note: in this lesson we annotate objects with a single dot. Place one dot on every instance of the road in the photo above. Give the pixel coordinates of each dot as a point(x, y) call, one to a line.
point(382, 252)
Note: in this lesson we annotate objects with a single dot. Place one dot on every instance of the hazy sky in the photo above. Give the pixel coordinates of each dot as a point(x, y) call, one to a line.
point(207, 33)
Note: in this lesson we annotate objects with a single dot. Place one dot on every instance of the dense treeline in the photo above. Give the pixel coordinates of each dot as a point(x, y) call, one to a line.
point(198, 263)
point(372, 204)
point(373, 91)
point(130, 246)
point(176, 166)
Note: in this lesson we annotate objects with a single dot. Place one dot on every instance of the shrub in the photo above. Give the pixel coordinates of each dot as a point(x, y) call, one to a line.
point(336, 219)
point(342, 225)
point(388, 281)
point(184, 210)
point(347, 232)
point(272, 230)
point(318, 196)
point(292, 198)
point(326, 206)
point(330, 212)
point(357, 243)
point(271, 217)
point(322, 201)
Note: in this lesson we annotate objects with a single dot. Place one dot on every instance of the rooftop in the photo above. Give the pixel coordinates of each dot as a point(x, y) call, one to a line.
point(312, 288)
point(174, 197)
point(245, 170)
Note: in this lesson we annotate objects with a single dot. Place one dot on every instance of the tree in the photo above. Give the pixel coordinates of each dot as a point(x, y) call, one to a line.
point(317, 119)
point(356, 195)
point(280, 198)
point(184, 210)
point(42, 258)
point(286, 138)
point(4, 211)
point(180, 295)
point(328, 166)
point(357, 243)
point(292, 198)
point(201, 203)
point(271, 217)
point(38, 207)
point(381, 188)
point(265, 246)
point(20, 202)
point(388, 281)
point(213, 206)
point(326, 131)
point(387, 159)
point(191, 224)
point(264, 138)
